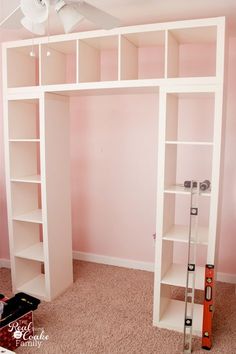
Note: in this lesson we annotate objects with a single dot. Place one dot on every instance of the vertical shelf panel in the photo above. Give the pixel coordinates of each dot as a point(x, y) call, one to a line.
point(56, 194)
point(128, 60)
point(172, 56)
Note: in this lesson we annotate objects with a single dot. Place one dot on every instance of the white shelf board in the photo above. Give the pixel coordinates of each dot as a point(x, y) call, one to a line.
point(178, 189)
point(24, 140)
point(28, 179)
point(173, 317)
point(177, 274)
point(34, 252)
point(177, 142)
point(35, 287)
point(32, 216)
point(179, 233)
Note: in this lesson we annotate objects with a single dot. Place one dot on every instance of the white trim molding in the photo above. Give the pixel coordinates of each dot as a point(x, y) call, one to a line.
point(5, 263)
point(226, 277)
point(114, 261)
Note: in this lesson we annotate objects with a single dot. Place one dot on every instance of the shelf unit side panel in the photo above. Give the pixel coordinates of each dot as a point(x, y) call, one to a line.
point(215, 178)
point(128, 60)
point(7, 167)
point(220, 51)
point(56, 195)
point(89, 63)
point(172, 56)
point(159, 207)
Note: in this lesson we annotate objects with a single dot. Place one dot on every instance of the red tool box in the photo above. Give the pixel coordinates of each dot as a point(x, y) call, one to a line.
point(16, 320)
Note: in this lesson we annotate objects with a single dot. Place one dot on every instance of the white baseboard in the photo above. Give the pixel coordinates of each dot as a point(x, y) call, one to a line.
point(126, 263)
point(5, 263)
point(115, 261)
point(226, 277)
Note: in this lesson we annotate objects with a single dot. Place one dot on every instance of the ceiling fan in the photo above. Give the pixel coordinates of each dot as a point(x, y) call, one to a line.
point(33, 15)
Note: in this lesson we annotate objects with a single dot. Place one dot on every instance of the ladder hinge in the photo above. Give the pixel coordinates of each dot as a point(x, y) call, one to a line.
point(188, 322)
point(191, 267)
point(194, 211)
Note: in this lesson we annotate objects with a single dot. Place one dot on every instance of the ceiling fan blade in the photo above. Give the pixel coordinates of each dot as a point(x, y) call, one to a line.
point(12, 21)
point(97, 16)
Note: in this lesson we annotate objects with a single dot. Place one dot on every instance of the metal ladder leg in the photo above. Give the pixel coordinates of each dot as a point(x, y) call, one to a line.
point(191, 267)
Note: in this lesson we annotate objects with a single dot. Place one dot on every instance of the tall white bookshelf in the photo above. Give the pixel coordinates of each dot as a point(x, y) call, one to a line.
point(141, 59)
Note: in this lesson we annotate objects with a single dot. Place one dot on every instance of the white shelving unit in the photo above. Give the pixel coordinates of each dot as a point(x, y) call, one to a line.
point(139, 59)
point(41, 260)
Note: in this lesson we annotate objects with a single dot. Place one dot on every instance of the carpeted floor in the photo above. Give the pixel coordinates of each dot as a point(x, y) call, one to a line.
point(108, 310)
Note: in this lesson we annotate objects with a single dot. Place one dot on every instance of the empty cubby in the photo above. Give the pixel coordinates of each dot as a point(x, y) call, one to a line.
point(23, 119)
point(26, 199)
point(191, 52)
point(98, 59)
point(190, 117)
point(187, 162)
point(24, 159)
point(23, 66)
point(172, 310)
point(28, 240)
point(176, 216)
point(30, 277)
point(175, 259)
point(142, 55)
point(58, 63)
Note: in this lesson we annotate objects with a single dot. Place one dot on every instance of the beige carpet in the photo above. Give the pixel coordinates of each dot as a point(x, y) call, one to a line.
point(108, 310)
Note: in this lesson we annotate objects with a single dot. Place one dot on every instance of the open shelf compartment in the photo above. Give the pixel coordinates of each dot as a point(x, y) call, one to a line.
point(191, 52)
point(98, 59)
point(172, 313)
point(26, 201)
point(174, 264)
point(23, 66)
point(58, 62)
point(176, 218)
point(190, 118)
point(24, 160)
point(143, 55)
point(187, 163)
point(30, 277)
point(23, 118)
point(28, 240)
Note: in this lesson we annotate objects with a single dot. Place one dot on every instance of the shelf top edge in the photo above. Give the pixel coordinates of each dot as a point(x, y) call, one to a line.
point(170, 25)
point(190, 84)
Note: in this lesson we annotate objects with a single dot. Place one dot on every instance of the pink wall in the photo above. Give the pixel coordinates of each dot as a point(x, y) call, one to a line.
point(113, 161)
point(113, 152)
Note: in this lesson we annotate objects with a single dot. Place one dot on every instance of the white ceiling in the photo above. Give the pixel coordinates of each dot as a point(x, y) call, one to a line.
point(132, 12)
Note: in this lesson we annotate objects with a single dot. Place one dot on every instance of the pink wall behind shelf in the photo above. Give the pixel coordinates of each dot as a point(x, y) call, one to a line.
point(113, 168)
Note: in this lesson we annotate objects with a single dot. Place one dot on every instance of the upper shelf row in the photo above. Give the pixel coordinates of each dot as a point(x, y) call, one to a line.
point(146, 55)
